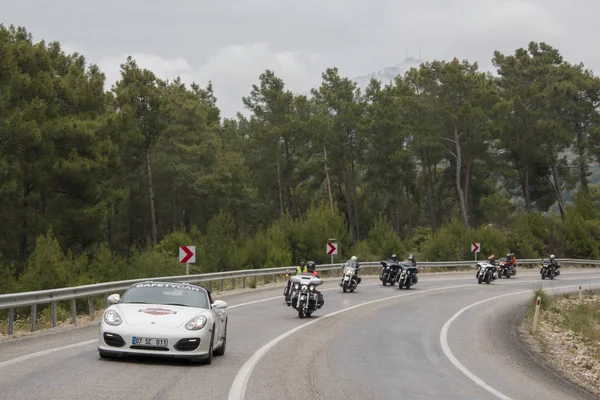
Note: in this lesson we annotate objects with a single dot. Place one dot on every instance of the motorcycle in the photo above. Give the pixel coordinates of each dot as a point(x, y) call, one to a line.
point(486, 272)
point(349, 281)
point(304, 299)
point(408, 275)
point(548, 270)
point(505, 268)
point(389, 272)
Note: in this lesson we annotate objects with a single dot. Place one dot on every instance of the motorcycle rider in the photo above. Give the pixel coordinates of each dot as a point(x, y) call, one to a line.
point(492, 260)
point(312, 270)
point(510, 257)
point(301, 268)
point(394, 257)
point(412, 260)
point(411, 257)
point(358, 279)
point(554, 263)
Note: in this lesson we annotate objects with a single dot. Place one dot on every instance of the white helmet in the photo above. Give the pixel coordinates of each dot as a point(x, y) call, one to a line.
point(353, 258)
point(552, 256)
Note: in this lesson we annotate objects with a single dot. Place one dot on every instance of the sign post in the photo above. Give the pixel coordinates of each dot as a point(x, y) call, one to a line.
point(187, 255)
point(331, 248)
point(538, 301)
point(475, 248)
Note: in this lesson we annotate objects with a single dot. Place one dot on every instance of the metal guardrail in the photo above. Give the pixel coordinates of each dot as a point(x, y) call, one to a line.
point(52, 296)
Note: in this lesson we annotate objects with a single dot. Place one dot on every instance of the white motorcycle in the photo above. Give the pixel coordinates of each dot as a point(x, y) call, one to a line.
point(486, 272)
point(349, 281)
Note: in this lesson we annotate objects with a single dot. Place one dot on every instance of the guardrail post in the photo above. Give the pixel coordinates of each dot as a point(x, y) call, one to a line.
point(274, 278)
point(54, 314)
point(265, 279)
point(105, 300)
point(33, 317)
point(244, 282)
point(73, 311)
point(91, 306)
point(210, 286)
point(232, 283)
point(222, 285)
point(11, 321)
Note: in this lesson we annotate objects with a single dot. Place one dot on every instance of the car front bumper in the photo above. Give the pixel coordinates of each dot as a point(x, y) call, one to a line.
point(182, 343)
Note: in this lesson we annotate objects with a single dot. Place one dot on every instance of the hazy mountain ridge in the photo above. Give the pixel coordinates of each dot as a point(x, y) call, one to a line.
point(387, 74)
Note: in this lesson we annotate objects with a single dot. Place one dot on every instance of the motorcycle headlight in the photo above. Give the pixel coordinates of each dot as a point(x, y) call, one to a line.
point(196, 323)
point(297, 286)
point(311, 287)
point(304, 287)
point(111, 317)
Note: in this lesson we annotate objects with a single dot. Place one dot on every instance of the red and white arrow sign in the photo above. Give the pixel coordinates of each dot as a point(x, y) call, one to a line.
point(187, 254)
point(332, 248)
point(475, 248)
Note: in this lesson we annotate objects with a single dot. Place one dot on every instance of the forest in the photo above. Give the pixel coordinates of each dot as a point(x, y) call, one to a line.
point(100, 185)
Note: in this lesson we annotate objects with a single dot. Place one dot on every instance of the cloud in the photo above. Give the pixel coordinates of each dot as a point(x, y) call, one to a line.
point(232, 70)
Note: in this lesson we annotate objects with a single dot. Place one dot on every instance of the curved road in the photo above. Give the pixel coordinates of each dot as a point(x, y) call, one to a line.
point(391, 343)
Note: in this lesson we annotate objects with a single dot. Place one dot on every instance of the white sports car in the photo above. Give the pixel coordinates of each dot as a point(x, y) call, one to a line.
point(164, 319)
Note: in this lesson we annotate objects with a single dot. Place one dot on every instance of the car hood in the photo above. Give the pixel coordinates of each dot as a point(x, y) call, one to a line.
point(157, 315)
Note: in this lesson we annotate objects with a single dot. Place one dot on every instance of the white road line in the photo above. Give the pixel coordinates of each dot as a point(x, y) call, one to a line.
point(43, 353)
point(454, 360)
point(79, 344)
point(238, 387)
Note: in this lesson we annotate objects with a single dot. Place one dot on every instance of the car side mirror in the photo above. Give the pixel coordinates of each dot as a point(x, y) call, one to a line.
point(113, 298)
point(219, 305)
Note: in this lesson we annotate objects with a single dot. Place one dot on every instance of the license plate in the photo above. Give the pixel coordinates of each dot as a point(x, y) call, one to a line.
point(149, 341)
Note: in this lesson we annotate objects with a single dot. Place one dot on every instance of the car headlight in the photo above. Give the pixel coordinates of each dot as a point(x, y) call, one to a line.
point(111, 317)
point(196, 323)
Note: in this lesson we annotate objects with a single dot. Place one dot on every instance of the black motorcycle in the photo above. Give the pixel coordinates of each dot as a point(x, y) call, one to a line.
point(389, 272)
point(408, 275)
point(549, 270)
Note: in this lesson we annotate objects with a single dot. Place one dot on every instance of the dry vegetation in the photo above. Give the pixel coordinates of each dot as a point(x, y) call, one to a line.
point(568, 335)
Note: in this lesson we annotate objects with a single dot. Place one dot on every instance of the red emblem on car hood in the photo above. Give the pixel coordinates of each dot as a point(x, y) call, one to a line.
point(157, 311)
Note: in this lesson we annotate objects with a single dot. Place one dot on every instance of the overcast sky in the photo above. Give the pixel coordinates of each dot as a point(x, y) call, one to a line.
point(231, 42)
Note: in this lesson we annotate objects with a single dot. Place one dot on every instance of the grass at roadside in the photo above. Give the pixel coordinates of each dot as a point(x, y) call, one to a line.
point(568, 333)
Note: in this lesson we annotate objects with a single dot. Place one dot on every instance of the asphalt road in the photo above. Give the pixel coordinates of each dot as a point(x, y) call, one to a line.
point(397, 345)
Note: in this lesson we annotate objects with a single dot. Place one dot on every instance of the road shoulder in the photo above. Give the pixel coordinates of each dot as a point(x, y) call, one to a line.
point(556, 361)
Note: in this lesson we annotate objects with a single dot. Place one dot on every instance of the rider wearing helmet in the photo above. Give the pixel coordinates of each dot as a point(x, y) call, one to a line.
point(358, 279)
point(411, 258)
point(312, 269)
point(394, 257)
point(555, 264)
point(492, 260)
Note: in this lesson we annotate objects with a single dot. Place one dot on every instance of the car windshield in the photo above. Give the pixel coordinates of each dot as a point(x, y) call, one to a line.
point(174, 294)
